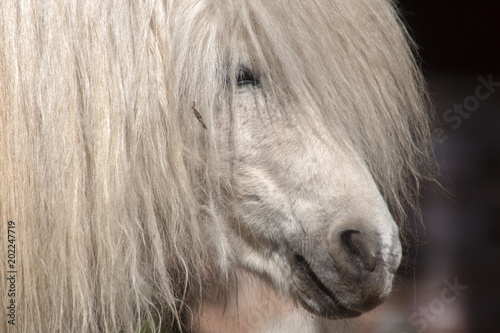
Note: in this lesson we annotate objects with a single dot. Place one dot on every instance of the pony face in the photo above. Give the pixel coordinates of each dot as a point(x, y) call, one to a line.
point(307, 214)
point(311, 110)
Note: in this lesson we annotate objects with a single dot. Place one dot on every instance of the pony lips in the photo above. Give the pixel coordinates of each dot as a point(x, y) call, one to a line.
point(317, 297)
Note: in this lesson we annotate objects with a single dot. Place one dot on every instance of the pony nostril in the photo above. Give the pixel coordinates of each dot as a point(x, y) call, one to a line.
point(362, 247)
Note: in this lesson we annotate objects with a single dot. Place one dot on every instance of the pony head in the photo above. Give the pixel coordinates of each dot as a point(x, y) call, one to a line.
point(150, 150)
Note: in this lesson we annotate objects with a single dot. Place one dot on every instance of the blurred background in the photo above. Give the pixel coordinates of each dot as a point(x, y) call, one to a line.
point(453, 281)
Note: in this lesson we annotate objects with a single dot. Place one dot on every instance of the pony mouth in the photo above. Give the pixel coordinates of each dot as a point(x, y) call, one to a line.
point(315, 296)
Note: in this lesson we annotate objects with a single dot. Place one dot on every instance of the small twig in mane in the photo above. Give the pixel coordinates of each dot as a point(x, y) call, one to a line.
point(198, 116)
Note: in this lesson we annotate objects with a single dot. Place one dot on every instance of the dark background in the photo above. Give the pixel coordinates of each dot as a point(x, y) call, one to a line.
point(459, 41)
point(456, 35)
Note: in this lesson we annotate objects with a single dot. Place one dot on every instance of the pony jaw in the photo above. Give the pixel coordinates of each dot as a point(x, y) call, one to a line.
point(317, 283)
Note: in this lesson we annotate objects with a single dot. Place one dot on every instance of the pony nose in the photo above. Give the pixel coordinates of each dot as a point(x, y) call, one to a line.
point(357, 249)
point(360, 247)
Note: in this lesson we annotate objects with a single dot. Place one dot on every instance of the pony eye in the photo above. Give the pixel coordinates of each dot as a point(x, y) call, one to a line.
point(246, 78)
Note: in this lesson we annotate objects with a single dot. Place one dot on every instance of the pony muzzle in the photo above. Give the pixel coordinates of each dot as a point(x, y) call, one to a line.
point(366, 258)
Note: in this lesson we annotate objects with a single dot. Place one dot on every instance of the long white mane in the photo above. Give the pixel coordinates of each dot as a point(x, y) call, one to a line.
point(114, 186)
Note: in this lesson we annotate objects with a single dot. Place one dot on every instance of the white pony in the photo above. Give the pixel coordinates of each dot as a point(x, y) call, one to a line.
point(148, 149)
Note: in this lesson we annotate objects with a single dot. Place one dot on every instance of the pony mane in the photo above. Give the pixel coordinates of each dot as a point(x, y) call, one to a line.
point(113, 184)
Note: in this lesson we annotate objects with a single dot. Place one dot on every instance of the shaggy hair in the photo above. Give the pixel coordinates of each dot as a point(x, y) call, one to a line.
point(114, 187)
